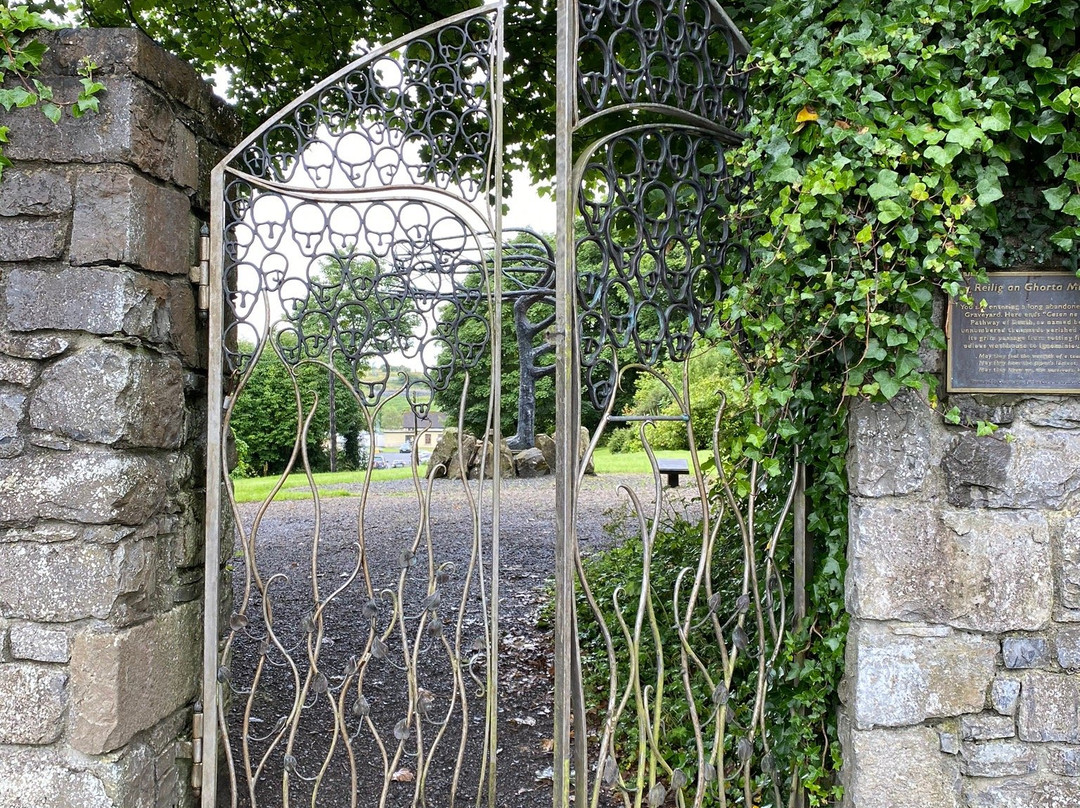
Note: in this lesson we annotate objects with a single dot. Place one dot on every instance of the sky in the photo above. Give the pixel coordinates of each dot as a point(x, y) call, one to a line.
point(527, 209)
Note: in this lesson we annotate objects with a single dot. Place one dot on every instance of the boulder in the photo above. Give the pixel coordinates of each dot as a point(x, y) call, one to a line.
point(531, 463)
point(546, 445)
point(506, 461)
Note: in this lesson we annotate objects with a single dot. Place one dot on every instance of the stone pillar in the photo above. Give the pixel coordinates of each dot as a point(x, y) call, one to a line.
point(102, 412)
point(964, 593)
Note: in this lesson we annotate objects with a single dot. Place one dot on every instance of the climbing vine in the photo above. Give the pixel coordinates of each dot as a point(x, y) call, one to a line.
point(895, 148)
point(20, 59)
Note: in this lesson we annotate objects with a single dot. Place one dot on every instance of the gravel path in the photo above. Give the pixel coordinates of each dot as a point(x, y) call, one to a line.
point(283, 547)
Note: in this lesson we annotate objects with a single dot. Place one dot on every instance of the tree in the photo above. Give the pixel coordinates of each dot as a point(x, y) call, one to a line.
point(274, 51)
point(527, 382)
point(356, 307)
point(715, 379)
point(265, 420)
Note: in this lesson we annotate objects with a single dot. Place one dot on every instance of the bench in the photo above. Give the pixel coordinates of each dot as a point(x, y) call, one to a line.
point(673, 467)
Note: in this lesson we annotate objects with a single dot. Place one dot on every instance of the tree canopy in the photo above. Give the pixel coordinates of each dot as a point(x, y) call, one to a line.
point(274, 51)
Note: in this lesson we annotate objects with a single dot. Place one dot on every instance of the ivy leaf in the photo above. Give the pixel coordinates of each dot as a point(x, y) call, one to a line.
point(887, 385)
point(966, 134)
point(1057, 197)
point(889, 211)
point(51, 111)
point(989, 188)
point(1037, 54)
point(887, 185)
point(999, 119)
point(1072, 207)
point(943, 155)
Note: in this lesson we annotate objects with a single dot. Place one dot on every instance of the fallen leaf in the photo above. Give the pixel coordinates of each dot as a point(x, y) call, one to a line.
point(403, 776)
point(524, 720)
point(805, 114)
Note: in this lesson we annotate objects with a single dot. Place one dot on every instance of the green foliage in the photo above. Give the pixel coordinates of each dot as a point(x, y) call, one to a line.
point(20, 60)
point(615, 575)
point(265, 419)
point(895, 148)
point(715, 380)
point(247, 40)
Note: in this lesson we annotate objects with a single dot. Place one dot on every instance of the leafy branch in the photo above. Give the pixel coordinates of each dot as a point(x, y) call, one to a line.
point(20, 59)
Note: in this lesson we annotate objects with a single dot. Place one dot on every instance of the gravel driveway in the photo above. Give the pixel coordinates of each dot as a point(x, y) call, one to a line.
point(313, 758)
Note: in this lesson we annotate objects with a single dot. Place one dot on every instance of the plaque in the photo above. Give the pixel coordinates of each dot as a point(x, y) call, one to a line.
point(1020, 334)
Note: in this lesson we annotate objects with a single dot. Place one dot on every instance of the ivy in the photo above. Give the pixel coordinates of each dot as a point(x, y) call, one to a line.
point(895, 148)
point(20, 59)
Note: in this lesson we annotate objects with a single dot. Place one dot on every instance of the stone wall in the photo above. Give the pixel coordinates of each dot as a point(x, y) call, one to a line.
point(963, 587)
point(102, 391)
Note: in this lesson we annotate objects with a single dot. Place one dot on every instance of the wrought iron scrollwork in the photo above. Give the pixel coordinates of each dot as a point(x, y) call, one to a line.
point(655, 204)
point(360, 212)
point(418, 114)
point(678, 54)
point(358, 232)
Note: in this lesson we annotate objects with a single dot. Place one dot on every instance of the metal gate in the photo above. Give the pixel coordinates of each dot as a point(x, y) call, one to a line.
point(361, 227)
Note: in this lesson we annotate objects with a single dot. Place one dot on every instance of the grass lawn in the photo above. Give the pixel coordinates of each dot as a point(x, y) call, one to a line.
point(257, 489)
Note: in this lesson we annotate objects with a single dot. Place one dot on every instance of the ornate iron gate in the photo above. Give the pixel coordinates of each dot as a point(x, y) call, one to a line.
point(361, 224)
point(364, 221)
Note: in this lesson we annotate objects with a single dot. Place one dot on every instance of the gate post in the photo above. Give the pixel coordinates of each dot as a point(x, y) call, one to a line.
point(964, 572)
point(102, 386)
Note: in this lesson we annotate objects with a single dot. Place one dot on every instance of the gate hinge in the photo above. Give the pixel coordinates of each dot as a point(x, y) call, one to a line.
point(200, 273)
point(193, 750)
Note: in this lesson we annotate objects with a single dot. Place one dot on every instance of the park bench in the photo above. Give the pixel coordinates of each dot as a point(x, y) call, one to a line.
point(673, 467)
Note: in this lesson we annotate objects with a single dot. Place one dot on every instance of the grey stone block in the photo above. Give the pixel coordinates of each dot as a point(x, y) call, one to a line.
point(136, 125)
point(32, 346)
point(33, 699)
point(127, 681)
point(60, 582)
point(1022, 793)
point(1025, 652)
point(1040, 468)
point(1064, 760)
point(108, 393)
point(900, 769)
point(1000, 410)
point(12, 410)
point(36, 238)
point(1049, 708)
point(985, 571)
point(42, 777)
point(987, 727)
point(950, 743)
point(890, 446)
point(39, 643)
point(1068, 551)
point(1005, 695)
point(97, 301)
point(1067, 642)
point(89, 485)
point(122, 218)
point(998, 759)
point(531, 463)
point(1053, 413)
point(900, 680)
point(17, 371)
point(106, 301)
point(35, 192)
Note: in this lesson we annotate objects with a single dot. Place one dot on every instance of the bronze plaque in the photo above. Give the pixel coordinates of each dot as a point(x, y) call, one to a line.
point(1021, 334)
